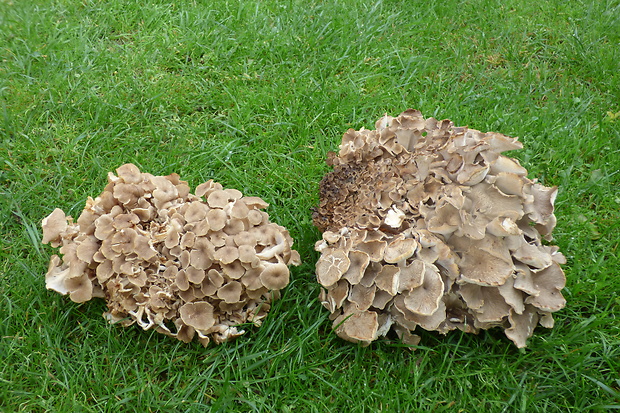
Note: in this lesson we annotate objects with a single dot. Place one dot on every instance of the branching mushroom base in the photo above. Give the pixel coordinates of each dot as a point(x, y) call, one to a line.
point(167, 259)
point(427, 224)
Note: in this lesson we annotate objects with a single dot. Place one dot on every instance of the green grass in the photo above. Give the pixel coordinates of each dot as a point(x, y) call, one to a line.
point(253, 94)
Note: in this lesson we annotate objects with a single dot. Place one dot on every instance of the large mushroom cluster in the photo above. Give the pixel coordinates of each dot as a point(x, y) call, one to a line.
point(186, 265)
point(427, 224)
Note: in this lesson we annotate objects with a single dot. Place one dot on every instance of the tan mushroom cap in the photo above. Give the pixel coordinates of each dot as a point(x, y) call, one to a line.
point(411, 276)
point(358, 261)
point(196, 211)
point(358, 327)
point(87, 249)
point(336, 295)
point(53, 226)
point(546, 319)
point(487, 302)
point(245, 238)
point(533, 255)
point(424, 300)
point(198, 315)
point(230, 292)
point(513, 297)
point(330, 268)
point(275, 276)
point(195, 275)
point(487, 262)
point(247, 254)
point(255, 202)
point(388, 279)
point(549, 282)
point(56, 276)
point(234, 270)
point(164, 192)
point(218, 199)
point(207, 187)
point(381, 299)
point(226, 254)
point(374, 249)
point(522, 326)
point(484, 268)
point(129, 173)
point(399, 250)
point(362, 296)
point(217, 219)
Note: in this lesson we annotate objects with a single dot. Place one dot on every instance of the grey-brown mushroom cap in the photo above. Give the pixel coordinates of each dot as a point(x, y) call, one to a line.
point(358, 327)
point(275, 276)
point(56, 276)
point(358, 262)
point(485, 268)
point(198, 315)
point(399, 250)
point(331, 267)
point(53, 226)
point(549, 282)
point(521, 327)
point(425, 299)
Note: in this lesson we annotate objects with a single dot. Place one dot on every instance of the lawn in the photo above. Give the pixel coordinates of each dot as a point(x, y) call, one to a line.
point(253, 94)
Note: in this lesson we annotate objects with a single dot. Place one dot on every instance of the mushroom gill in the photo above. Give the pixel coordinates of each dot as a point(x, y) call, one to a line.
point(186, 265)
point(426, 224)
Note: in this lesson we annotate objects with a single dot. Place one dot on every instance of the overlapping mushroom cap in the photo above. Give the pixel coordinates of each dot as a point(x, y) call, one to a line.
point(187, 265)
point(427, 224)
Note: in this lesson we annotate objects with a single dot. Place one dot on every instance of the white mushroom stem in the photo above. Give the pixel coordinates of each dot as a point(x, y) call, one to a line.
point(278, 248)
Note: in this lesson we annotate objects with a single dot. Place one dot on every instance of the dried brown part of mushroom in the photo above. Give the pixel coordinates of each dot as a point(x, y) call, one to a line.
point(430, 225)
point(189, 266)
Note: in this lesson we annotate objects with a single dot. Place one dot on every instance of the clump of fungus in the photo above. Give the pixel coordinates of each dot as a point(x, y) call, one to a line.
point(427, 224)
point(186, 265)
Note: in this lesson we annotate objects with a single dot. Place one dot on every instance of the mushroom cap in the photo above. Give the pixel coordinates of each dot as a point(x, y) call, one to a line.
point(275, 276)
point(358, 261)
point(198, 315)
point(335, 296)
point(411, 276)
point(226, 254)
point(360, 326)
point(53, 226)
point(521, 326)
point(399, 250)
point(217, 219)
point(56, 276)
point(362, 296)
point(388, 279)
point(231, 292)
point(129, 173)
point(87, 249)
point(330, 268)
point(196, 211)
point(549, 283)
point(425, 299)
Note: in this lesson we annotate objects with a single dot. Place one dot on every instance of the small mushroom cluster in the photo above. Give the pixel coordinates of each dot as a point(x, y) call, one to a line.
point(187, 265)
point(427, 224)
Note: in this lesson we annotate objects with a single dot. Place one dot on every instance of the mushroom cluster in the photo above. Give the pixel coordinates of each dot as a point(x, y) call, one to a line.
point(186, 265)
point(427, 224)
